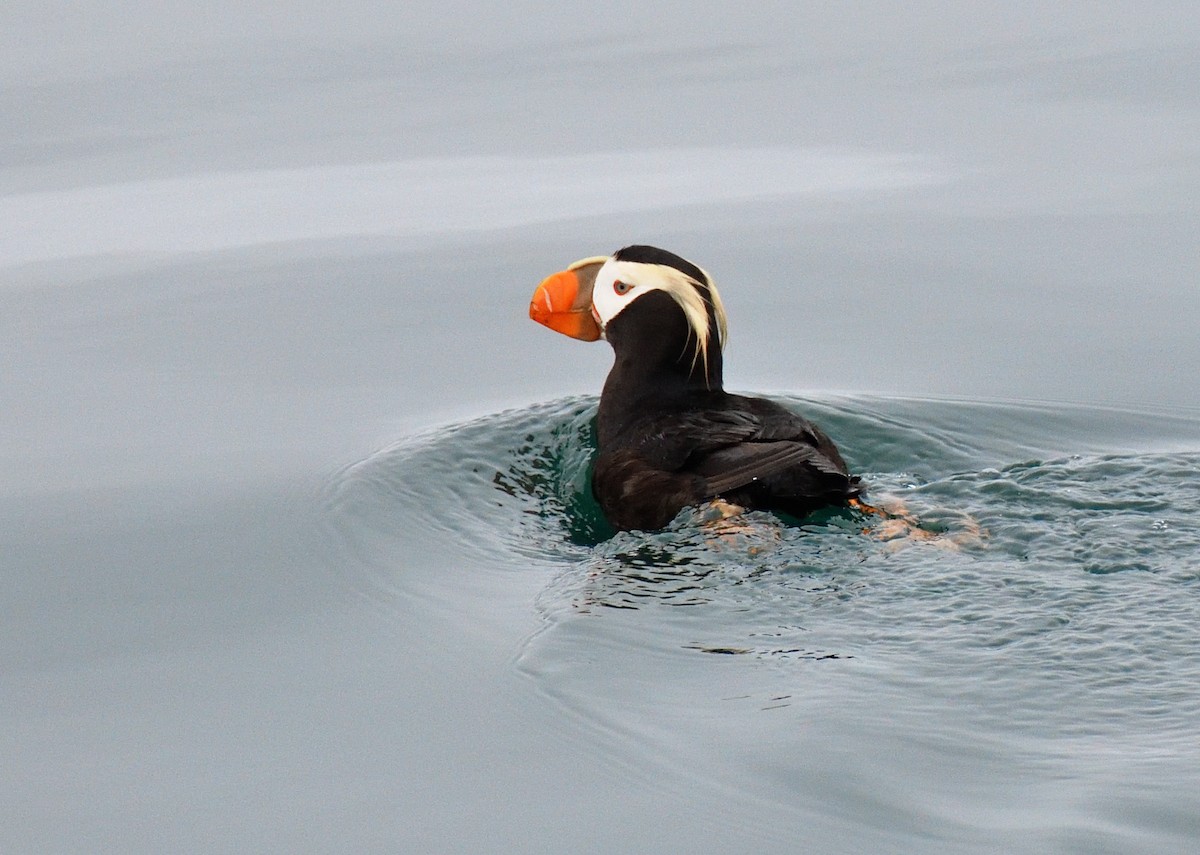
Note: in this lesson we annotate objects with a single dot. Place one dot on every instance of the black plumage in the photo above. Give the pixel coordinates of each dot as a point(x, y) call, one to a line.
point(669, 436)
point(750, 452)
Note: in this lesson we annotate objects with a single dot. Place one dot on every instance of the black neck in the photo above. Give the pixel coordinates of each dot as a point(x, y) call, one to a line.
point(658, 367)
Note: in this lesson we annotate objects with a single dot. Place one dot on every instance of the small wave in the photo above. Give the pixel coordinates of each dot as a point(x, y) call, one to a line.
point(1064, 625)
point(513, 488)
point(509, 492)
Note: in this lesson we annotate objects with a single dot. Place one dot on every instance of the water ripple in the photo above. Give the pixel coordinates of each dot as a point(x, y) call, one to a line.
point(1052, 616)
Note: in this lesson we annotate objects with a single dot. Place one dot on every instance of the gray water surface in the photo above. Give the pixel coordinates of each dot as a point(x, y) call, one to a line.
point(296, 546)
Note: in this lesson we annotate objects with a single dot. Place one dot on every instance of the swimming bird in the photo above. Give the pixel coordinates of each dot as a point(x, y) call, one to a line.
point(669, 436)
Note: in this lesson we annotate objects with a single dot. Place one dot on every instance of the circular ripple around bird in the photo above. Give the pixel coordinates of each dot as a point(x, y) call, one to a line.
point(1047, 635)
point(1057, 583)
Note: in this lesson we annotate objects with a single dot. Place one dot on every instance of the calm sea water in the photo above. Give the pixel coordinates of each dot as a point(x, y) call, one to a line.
point(296, 546)
point(1025, 680)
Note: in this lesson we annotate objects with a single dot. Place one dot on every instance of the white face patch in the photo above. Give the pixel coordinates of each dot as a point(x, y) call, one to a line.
point(619, 283)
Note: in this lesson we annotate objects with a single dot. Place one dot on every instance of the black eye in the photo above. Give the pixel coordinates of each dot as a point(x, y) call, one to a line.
point(621, 287)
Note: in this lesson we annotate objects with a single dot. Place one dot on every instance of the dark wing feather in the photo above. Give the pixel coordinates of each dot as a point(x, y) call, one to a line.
point(748, 462)
point(734, 447)
point(670, 441)
point(750, 451)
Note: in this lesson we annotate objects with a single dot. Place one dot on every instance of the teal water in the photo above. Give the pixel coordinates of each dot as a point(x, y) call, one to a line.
point(1027, 680)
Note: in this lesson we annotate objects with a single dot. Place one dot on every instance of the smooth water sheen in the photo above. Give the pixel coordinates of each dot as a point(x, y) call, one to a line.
point(1028, 679)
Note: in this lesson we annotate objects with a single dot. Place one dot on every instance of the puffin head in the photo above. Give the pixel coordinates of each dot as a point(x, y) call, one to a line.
point(583, 300)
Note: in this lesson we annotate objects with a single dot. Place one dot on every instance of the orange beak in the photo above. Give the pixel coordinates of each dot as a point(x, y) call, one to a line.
point(563, 302)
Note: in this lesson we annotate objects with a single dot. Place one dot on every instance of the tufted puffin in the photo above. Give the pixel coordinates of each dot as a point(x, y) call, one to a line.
point(669, 435)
